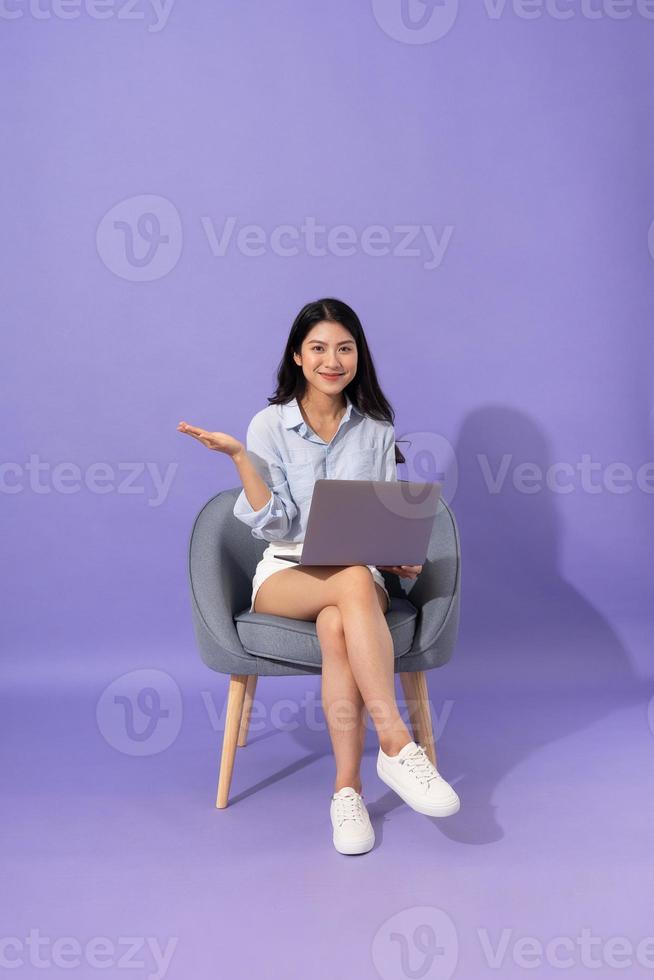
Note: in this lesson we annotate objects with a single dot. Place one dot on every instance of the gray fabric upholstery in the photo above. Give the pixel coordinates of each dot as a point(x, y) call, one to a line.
point(423, 616)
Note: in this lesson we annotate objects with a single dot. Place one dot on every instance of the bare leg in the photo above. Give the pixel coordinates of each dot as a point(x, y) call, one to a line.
point(303, 592)
point(341, 700)
point(370, 651)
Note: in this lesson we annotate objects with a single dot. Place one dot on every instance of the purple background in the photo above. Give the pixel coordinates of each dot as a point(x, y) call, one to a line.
point(530, 139)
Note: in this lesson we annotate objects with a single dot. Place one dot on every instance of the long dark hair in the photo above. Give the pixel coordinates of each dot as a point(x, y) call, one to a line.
point(363, 390)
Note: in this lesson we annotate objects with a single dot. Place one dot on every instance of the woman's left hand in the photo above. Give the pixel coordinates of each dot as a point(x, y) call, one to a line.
point(404, 571)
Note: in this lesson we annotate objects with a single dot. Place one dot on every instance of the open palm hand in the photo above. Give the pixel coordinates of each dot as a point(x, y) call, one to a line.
point(221, 442)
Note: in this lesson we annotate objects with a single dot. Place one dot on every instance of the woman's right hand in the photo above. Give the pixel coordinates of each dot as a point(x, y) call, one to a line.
point(219, 441)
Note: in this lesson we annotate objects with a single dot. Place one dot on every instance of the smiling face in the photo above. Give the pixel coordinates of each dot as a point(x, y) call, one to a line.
point(328, 349)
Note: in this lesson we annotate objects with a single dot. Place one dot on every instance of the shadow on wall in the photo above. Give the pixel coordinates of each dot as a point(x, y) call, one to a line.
point(535, 662)
point(522, 624)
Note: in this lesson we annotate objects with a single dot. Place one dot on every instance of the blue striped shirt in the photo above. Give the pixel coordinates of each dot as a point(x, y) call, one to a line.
point(290, 457)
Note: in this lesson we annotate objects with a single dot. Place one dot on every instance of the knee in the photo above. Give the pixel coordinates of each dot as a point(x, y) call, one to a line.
point(329, 622)
point(356, 580)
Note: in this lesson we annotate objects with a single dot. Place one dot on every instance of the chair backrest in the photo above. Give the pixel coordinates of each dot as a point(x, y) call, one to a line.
point(222, 558)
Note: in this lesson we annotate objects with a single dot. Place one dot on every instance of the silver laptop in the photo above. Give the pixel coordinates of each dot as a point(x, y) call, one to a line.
point(369, 522)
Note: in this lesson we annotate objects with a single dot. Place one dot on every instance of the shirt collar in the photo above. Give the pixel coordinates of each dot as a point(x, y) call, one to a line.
point(292, 416)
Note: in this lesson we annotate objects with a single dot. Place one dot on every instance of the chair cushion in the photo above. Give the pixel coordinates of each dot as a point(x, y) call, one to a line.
point(296, 640)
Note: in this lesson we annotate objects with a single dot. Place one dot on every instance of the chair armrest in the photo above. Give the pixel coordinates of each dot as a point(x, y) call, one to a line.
point(435, 593)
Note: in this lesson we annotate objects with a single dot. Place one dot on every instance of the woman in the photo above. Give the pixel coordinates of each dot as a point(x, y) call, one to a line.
point(329, 418)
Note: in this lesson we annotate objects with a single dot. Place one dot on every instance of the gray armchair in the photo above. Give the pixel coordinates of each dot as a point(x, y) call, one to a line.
point(423, 619)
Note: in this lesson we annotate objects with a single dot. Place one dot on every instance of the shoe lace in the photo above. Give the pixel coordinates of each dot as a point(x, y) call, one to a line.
point(349, 808)
point(418, 764)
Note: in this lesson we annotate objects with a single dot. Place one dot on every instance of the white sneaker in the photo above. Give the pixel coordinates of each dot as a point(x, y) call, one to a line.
point(417, 781)
point(353, 832)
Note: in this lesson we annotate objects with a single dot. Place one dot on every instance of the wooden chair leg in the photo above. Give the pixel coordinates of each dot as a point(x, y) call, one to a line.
point(416, 693)
point(250, 688)
point(235, 699)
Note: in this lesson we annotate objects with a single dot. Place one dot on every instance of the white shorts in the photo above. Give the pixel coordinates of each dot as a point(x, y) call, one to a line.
point(268, 565)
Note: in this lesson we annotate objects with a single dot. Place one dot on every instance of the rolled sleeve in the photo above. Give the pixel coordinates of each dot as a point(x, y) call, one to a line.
point(389, 466)
point(273, 520)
